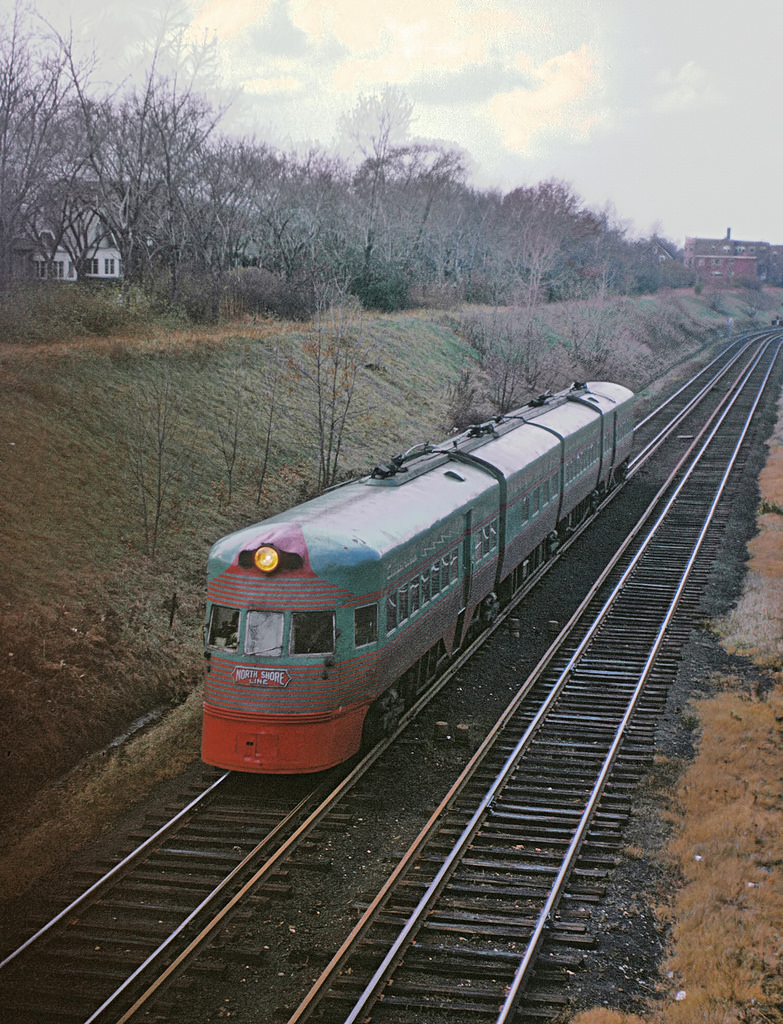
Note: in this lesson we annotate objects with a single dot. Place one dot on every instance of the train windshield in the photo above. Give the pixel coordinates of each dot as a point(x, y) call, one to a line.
point(312, 632)
point(223, 627)
point(264, 633)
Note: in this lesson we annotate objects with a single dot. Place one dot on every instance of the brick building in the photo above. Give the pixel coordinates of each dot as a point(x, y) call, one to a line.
point(725, 260)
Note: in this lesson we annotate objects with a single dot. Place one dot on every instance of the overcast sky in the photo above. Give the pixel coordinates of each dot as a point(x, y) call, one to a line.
point(668, 111)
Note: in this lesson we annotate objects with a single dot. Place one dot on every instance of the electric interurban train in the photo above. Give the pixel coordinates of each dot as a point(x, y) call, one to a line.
point(326, 621)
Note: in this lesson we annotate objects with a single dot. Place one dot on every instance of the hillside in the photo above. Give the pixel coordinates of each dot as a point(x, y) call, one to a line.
point(102, 603)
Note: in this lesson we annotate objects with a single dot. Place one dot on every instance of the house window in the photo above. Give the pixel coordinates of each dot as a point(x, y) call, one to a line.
point(40, 269)
point(93, 267)
point(58, 269)
point(108, 267)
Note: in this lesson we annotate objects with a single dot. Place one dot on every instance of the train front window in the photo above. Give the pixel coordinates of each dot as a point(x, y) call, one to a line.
point(264, 633)
point(312, 632)
point(223, 627)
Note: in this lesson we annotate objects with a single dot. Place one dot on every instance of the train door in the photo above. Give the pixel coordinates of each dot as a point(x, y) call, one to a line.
point(466, 574)
point(611, 420)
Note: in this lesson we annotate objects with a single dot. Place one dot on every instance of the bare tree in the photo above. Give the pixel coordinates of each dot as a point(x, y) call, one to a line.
point(509, 367)
point(34, 87)
point(143, 149)
point(584, 318)
point(180, 124)
point(378, 127)
point(217, 203)
point(264, 437)
point(229, 426)
point(157, 452)
point(329, 369)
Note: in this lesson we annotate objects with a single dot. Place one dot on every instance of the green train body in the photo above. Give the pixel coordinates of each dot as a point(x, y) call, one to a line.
point(324, 622)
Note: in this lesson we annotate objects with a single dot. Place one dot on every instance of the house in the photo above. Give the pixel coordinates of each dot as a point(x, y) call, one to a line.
point(105, 264)
point(662, 251)
point(80, 247)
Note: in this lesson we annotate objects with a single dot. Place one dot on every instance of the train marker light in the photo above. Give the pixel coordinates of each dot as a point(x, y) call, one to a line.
point(266, 559)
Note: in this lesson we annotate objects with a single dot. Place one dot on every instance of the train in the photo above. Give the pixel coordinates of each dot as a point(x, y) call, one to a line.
point(325, 622)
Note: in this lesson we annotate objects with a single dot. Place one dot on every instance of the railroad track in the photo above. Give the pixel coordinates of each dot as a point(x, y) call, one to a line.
point(129, 934)
point(132, 920)
point(479, 914)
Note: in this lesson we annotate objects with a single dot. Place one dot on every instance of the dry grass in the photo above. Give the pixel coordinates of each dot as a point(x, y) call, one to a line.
point(755, 627)
point(86, 801)
point(727, 950)
point(725, 963)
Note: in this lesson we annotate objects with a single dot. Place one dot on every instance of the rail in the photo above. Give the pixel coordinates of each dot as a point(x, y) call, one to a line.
point(395, 955)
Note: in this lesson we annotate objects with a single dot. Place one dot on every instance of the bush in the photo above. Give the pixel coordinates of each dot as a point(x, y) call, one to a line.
point(257, 291)
point(383, 285)
point(54, 311)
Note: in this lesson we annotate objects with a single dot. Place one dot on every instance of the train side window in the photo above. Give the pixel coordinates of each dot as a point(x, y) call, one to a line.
point(365, 625)
point(391, 612)
point(402, 603)
point(223, 627)
point(445, 562)
point(413, 596)
point(264, 633)
point(312, 632)
point(451, 565)
point(434, 580)
point(424, 587)
point(485, 540)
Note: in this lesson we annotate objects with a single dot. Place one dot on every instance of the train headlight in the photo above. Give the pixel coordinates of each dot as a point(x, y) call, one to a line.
point(266, 559)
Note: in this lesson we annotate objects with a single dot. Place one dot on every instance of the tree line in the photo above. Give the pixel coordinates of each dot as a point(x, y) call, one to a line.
point(213, 224)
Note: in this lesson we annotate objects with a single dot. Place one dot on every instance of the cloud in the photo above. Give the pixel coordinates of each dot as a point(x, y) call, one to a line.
point(274, 85)
point(227, 18)
point(555, 103)
point(407, 40)
point(474, 84)
point(684, 90)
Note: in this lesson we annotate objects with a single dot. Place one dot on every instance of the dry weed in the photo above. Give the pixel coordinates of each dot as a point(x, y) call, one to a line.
point(78, 808)
point(604, 1016)
point(726, 959)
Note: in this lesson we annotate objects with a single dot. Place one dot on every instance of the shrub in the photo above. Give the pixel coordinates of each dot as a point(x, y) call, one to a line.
point(257, 291)
point(54, 311)
point(383, 285)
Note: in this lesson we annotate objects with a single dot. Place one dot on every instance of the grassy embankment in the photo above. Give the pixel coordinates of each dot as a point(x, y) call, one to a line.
point(725, 964)
point(88, 641)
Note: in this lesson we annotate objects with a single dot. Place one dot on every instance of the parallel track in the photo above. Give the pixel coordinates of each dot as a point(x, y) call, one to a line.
point(102, 950)
point(458, 930)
